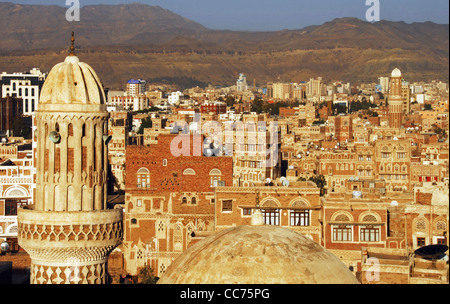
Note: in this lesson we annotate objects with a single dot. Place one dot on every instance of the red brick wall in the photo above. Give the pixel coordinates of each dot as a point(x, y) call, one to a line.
point(170, 178)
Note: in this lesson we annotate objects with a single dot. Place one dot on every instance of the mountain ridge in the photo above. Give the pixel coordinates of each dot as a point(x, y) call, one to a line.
point(138, 40)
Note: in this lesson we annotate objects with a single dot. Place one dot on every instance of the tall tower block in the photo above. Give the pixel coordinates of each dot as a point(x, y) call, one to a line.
point(395, 100)
point(69, 232)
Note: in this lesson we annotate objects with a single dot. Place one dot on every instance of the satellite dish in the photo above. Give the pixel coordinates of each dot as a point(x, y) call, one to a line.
point(432, 252)
point(357, 194)
point(282, 178)
point(285, 183)
point(394, 203)
point(4, 246)
point(268, 180)
point(107, 139)
point(208, 152)
point(55, 137)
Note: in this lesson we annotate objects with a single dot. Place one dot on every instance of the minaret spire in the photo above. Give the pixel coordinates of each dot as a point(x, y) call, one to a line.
point(72, 47)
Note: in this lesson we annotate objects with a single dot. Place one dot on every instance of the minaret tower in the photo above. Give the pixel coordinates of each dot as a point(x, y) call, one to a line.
point(69, 232)
point(395, 100)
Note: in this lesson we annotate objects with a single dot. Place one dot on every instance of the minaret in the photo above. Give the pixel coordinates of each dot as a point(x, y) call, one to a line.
point(69, 232)
point(395, 100)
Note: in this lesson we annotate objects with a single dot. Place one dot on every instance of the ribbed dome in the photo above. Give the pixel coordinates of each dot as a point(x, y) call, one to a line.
point(72, 82)
point(257, 255)
point(396, 73)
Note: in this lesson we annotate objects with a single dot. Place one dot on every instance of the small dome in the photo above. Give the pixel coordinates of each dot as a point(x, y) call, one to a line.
point(396, 73)
point(72, 82)
point(257, 255)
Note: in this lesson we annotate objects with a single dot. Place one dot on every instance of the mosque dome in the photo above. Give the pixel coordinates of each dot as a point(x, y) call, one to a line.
point(257, 254)
point(72, 82)
point(396, 73)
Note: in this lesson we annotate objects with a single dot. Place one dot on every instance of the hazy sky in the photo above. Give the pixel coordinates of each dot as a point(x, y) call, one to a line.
point(261, 15)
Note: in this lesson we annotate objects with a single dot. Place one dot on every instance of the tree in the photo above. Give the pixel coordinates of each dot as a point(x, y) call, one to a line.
point(146, 275)
point(319, 180)
point(145, 123)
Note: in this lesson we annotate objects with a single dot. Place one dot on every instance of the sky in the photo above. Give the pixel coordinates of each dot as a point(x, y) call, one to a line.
point(272, 15)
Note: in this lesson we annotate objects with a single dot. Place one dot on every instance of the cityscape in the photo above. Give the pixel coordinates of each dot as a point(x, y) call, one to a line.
point(282, 181)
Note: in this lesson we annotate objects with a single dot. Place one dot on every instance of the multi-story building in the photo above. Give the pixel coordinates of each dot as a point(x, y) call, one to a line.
point(169, 198)
point(241, 84)
point(10, 110)
point(136, 87)
point(128, 102)
point(314, 88)
point(215, 108)
point(296, 207)
point(16, 187)
point(393, 163)
point(26, 86)
point(281, 90)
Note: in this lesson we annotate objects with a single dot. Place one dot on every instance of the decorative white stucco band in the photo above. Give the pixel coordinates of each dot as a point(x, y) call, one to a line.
point(85, 236)
point(69, 247)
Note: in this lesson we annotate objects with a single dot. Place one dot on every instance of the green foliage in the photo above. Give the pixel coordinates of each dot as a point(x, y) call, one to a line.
point(146, 275)
point(319, 180)
point(148, 110)
point(259, 106)
point(145, 123)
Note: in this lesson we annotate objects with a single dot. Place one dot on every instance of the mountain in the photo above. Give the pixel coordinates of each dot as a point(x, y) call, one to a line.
point(137, 40)
point(28, 27)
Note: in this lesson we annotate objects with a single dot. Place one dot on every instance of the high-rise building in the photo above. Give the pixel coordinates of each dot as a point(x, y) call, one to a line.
point(281, 90)
point(69, 232)
point(23, 85)
point(242, 83)
point(314, 88)
point(384, 82)
point(136, 87)
point(395, 100)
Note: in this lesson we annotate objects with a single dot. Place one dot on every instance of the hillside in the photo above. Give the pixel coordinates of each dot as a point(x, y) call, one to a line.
point(136, 40)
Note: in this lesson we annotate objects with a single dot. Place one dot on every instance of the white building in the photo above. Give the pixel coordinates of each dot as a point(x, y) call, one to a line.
point(23, 85)
point(242, 83)
point(384, 82)
point(175, 97)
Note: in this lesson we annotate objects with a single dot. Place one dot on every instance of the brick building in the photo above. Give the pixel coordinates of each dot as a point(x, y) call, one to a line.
point(168, 198)
point(296, 207)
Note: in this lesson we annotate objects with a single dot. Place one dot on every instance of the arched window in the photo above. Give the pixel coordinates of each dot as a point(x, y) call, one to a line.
point(193, 200)
point(143, 178)
point(184, 200)
point(270, 212)
point(215, 172)
point(215, 177)
point(369, 232)
point(342, 232)
point(299, 216)
point(189, 172)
